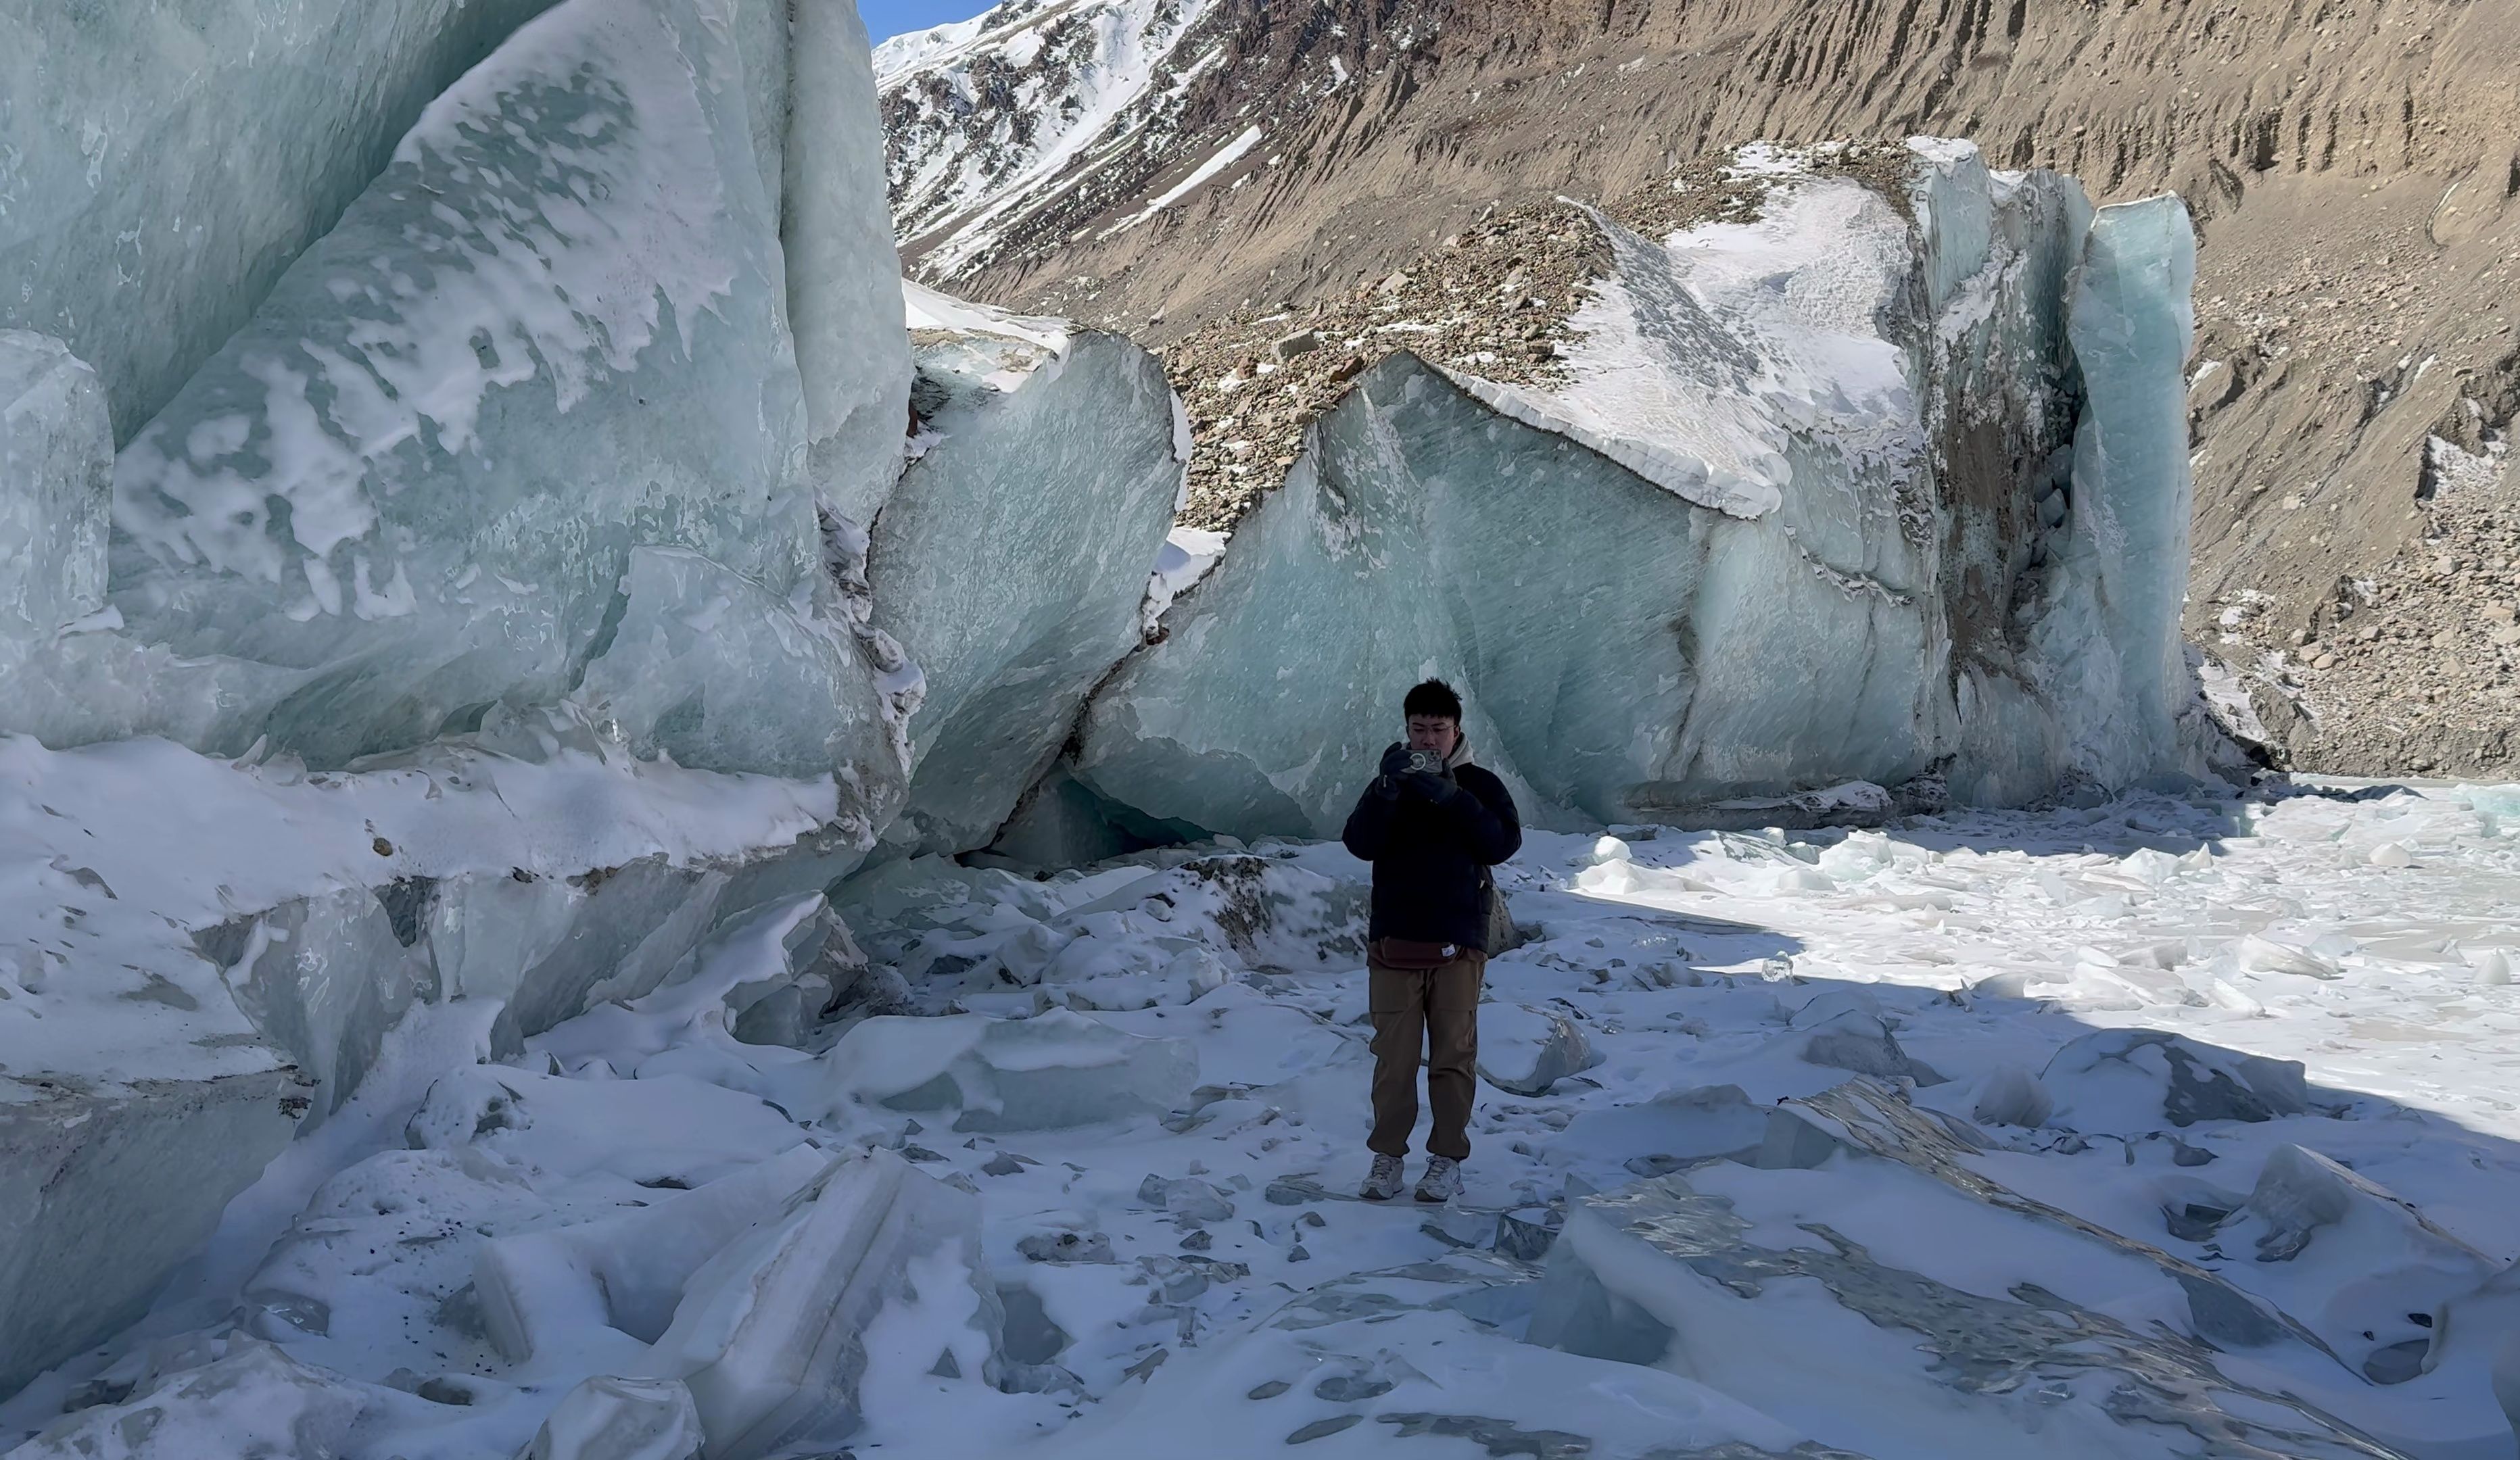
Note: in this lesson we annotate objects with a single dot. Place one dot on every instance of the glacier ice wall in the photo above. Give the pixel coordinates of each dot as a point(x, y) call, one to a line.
point(2125, 563)
point(551, 332)
point(1804, 512)
point(56, 479)
point(843, 275)
point(101, 1193)
point(168, 160)
point(1012, 557)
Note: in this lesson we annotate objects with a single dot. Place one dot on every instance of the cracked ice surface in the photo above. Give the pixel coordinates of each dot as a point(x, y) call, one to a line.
point(2219, 1163)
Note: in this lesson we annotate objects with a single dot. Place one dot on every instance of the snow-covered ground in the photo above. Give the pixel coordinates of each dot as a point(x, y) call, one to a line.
point(1142, 1102)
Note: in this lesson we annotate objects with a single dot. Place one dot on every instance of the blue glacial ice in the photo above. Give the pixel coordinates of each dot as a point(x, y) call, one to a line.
point(1011, 561)
point(56, 476)
point(166, 162)
point(552, 332)
point(1806, 511)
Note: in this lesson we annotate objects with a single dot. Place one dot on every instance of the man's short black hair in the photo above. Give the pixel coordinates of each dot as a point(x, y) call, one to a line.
point(1433, 698)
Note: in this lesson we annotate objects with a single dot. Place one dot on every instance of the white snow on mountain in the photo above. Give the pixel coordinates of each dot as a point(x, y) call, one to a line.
point(988, 119)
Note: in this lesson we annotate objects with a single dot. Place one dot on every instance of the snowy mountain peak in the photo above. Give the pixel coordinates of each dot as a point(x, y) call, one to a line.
point(991, 118)
point(1041, 122)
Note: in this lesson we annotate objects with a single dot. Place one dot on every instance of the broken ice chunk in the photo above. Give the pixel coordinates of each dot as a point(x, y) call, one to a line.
point(1853, 1039)
point(255, 1400)
point(1011, 559)
point(2129, 1081)
point(2011, 1095)
point(1189, 1200)
point(2351, 1259)
point(1526, 1050)
point(771, 1334)
point(1051, 1070)
point(539, 1290)
point(610, 1417)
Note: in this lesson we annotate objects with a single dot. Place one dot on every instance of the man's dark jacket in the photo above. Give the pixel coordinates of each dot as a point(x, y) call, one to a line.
point(1431, 852)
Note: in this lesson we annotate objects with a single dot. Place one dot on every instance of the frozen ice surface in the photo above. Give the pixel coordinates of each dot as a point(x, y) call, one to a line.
point(166, 167)
point(1796, 521)
point(1959, 1282)
point(56, 487)
point(1056, 1070)
point(612, 1418)
point(1359, 1373)
point(1011, 562)
point(550, 332)
point(253, 1403)
point(774, 1335)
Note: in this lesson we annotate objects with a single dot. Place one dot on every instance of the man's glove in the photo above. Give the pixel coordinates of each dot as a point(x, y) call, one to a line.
point(1395, 765)
point(1431, 785)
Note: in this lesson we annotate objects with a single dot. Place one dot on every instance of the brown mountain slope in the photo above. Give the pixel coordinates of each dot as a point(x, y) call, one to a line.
point(2354, 166)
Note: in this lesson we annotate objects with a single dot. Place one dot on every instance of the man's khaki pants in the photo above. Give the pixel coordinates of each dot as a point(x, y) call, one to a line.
point(1413, 1009)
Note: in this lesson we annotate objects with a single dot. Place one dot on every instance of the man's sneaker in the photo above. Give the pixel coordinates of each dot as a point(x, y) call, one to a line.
point(1384, 1181)
point(1442, 1182)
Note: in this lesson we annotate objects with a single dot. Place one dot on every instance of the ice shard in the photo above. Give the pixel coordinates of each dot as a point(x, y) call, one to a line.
point(2125, 560)
point(1011, 561)
point(167, 162)
point(553, 330)
point(1046, 1072)
point(1790, 520)
point(771, 1334)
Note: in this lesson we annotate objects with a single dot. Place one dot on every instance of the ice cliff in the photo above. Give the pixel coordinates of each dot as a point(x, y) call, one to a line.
point(1011, 559)
point(1831, 496)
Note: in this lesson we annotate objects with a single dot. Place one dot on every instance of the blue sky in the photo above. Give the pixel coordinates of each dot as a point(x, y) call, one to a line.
point(888, 17)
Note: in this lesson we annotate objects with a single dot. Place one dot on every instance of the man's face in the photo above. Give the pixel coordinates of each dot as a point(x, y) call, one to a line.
point(1435, 735)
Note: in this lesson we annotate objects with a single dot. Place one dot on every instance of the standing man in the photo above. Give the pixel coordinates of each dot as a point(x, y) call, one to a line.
point(1432, 825)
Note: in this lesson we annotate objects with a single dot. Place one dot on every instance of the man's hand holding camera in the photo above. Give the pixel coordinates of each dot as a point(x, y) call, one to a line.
point(1414, 775)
